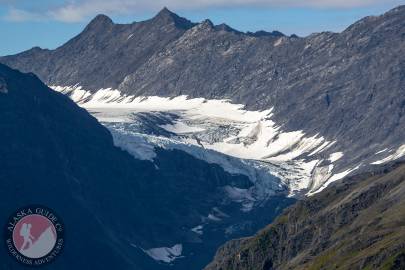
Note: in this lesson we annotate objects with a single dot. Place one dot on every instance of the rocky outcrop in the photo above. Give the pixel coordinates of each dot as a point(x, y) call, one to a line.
point(356, 224)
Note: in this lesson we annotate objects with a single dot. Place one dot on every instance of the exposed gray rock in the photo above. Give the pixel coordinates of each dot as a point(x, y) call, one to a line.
point(104, 53)
point(348, 87)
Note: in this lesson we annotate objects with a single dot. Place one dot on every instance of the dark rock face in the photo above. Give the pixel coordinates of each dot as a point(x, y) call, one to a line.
point(355, 224)
point(104, 53)
point(3, 86)
point(54, 153)
point(50, 151)
point(347, 87)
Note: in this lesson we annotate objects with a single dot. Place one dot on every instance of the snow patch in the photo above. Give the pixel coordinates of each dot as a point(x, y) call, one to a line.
point(165, 254)
point(137, 146)
point(335, 156)
point(216, 215)
point(213, 217)
point(381, 151)
point(322, 148)
point(278, 42)
point(335, 177)
point(320, 175)
point(400, 152)
point(198, 229)
point(243, 196)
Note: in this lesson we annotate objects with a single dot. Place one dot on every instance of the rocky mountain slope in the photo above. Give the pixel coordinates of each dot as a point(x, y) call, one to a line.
point(358, 223)
point(341, 93)
point(172, 212)
point(99, 56)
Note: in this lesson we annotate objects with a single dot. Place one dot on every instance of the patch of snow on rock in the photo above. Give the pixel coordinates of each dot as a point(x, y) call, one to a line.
point(165, 254)
point(400, 152)
point(336, 177)
point(198, 229)
point(335, 156)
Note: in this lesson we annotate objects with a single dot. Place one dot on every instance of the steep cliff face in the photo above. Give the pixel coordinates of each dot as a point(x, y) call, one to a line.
point(358, 223)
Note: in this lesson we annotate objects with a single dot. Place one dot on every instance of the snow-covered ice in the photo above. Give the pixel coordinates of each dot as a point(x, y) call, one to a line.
point(165, 254)
point(217, 131)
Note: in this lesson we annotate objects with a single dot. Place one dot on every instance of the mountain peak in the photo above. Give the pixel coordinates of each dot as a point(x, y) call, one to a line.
point(165, 16)
point(263, 33)
point(100, 20)
point(226, 28)
point(207, 24)
point(164, 12)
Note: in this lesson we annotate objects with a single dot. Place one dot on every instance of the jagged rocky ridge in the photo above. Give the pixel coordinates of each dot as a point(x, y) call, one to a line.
point(346, 88)
point(358, 223)
point(118, 211)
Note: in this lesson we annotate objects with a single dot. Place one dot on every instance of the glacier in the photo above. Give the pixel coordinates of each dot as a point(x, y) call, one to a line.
point(218, 131)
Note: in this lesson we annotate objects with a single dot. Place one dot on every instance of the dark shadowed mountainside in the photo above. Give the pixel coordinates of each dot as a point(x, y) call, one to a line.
point(114, 206)
point(358, 223)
